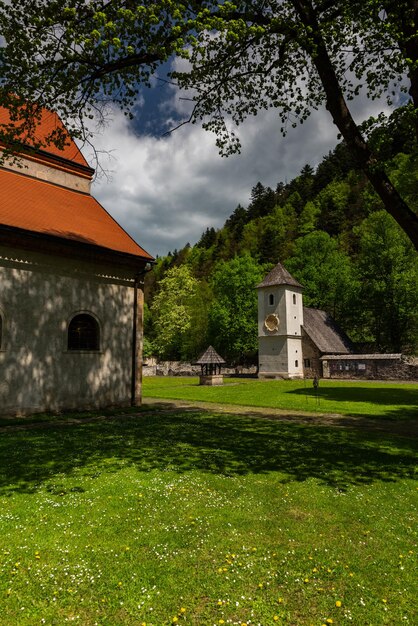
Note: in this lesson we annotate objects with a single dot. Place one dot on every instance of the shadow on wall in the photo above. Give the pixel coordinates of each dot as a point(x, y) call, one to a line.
point(188, 440)
point(39, 297)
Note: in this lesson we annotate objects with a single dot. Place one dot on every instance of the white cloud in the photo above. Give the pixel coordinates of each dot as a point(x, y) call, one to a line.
point(166, 191)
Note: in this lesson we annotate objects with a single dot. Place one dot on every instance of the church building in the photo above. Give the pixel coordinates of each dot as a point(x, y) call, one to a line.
point(293, 339)
point(71, 287)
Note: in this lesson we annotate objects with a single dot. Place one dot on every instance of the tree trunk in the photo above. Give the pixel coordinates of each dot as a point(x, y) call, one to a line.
point(337, 106)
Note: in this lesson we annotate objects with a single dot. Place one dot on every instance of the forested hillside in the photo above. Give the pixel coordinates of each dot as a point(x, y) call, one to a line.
point(329, 229)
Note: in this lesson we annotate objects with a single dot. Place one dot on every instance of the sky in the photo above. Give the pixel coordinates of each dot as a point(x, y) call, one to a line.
point(165, 190)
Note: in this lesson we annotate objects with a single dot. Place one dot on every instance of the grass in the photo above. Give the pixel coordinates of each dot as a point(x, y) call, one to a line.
point(193, 517)
point(389, 400)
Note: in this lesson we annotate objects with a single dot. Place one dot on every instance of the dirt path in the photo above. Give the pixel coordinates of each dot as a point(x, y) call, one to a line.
point(406, 428)
point(151, 405)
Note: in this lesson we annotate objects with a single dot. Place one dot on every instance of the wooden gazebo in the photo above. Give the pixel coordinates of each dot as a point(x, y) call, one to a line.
point(211, 364)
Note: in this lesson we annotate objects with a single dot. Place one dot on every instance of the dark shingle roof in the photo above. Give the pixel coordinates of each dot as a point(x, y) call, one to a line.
point(325, 333)
point(210, 356)
point(279, 276)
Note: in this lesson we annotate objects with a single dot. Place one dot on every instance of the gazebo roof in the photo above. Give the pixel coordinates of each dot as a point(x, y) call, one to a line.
point(210, 357)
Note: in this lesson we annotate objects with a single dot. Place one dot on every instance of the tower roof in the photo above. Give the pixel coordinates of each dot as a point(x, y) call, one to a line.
point(279, 276)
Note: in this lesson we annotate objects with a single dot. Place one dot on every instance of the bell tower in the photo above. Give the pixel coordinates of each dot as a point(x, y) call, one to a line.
point(280, 320)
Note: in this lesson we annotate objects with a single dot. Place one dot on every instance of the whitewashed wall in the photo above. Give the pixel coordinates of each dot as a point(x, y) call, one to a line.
point(38, 297)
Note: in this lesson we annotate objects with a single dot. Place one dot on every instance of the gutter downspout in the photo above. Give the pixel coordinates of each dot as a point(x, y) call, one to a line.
point(137, 337)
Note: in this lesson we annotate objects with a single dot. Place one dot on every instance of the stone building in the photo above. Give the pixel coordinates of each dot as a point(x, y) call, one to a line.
point(280, 322)
point(71, 287)
point(297, 341)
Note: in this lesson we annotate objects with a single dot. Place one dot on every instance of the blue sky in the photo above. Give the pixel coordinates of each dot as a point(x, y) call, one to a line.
point(165, 190)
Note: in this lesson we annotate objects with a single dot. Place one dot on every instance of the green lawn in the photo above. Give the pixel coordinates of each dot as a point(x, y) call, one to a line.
point(390, 400)
point(198, 518)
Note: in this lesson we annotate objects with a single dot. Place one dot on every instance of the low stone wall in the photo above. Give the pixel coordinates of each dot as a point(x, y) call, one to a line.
point(153, 367)
point(371, 369)
point(405, 368)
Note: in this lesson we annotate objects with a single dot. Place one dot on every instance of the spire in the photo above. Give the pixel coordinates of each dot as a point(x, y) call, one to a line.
point(279, 276)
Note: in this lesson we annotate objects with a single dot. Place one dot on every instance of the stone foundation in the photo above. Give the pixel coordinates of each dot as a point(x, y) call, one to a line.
point(211, 379)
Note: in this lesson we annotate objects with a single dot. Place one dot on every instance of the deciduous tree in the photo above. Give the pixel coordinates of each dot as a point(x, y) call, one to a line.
point(179, 315)
point(388, 269)
point(233, 315)
point(247, 55)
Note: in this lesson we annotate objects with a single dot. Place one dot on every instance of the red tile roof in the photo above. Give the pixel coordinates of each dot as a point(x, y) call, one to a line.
point(41, 207)
point(49, 121)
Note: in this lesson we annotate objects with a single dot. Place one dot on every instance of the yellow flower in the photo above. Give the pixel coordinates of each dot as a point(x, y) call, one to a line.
point(175, 619)
point(330, 621)
point(276, 618)
point(338, 603)
point(182, 610)
point(280, 600)
point(221, 621)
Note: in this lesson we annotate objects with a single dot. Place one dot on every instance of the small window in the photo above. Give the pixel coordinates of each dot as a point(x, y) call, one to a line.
point(271, 299)
point(296, 363)
point(83, 333)
point(294, 298)
point(307, 362)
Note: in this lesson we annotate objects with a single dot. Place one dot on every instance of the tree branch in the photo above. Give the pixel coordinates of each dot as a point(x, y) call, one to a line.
point(337, 106)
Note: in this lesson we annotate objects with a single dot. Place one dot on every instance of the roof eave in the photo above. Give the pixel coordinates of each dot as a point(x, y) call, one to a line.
point(43, 242)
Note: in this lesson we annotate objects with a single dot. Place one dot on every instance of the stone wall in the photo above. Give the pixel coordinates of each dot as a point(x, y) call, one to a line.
point(371, 369)
point(153, 367)
point(39, 296)
point(405, 368)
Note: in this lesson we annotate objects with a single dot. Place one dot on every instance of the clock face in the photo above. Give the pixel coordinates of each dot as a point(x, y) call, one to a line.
point(272, 322)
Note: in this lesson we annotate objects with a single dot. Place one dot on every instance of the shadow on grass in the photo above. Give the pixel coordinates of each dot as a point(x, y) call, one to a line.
point(186, 440)
point(406, 398)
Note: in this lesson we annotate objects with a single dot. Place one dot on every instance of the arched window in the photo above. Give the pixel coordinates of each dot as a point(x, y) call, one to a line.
point(83, 333)
point(271, 299)
point(294, 298)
